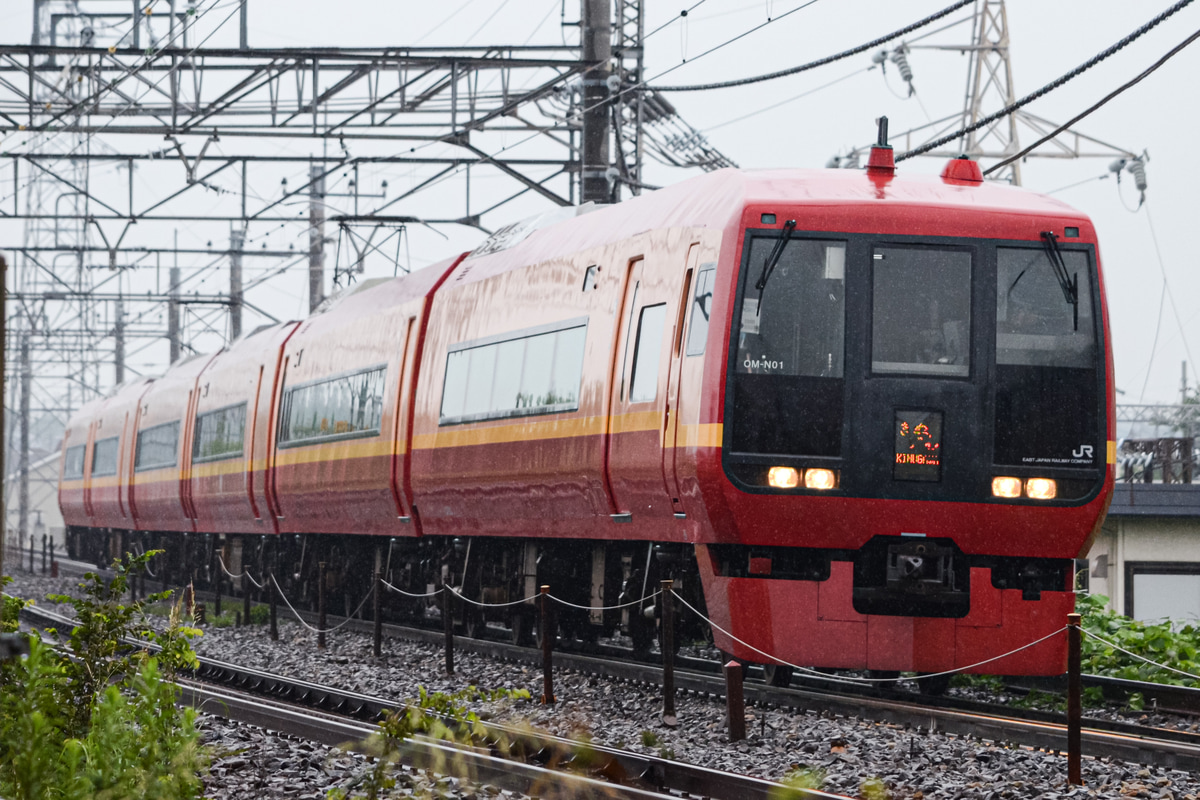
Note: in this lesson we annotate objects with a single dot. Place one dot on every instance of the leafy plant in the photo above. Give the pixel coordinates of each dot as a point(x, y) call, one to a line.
point(10, 608)
point(1159, 642)
point(100, 720)
point(103, 623)
point(260, 615)
point(797, 782)
point(439, 715)
point(873, 789)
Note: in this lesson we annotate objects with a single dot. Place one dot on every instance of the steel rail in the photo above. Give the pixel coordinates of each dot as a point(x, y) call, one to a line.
point(336, 717)
point(1044, 730)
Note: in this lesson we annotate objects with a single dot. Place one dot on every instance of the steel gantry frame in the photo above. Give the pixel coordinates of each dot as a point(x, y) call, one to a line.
point(124, 123)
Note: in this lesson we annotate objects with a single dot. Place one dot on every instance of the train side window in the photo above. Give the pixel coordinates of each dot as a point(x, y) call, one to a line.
point(921, 311)
point(73, 462)
point(157, 447)
point(347, 405)
point(537, 371)
point(643, 385)
point(104, 457)
point(220, 433)
point(701, 309)
point(591, 277)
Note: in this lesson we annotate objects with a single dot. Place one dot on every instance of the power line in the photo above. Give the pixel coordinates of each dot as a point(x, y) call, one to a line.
point(1169, 295)
point(1049, 87)
point(1096, 106)
point(819, 62)
point(791, 99)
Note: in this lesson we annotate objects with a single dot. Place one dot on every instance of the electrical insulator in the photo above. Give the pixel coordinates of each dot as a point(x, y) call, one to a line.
point(900, 59)
point(1137, 168)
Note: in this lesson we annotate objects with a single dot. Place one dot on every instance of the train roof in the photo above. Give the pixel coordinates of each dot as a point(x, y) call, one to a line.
point(718, 199)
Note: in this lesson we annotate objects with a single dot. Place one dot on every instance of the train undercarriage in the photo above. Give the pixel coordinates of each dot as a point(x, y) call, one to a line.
point(606, 587)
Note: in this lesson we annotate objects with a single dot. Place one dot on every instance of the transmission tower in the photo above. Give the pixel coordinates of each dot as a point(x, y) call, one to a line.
point(990, 87)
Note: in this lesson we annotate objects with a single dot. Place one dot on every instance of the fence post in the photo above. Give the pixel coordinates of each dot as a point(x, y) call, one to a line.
point(45, 566)
point(54, 566)
point(668, 654)
point(245, 593)
point(1074, 705)
point(32, 553)
point(547, 649)
point(448, 625)
point(377, 602)
point(220, 575)
point(274, 594)
point(735, 703)
point(321, 607)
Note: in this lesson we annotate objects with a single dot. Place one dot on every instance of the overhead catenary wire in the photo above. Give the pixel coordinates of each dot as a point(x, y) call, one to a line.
point(1099, 104)
point(700, 87)
point(1165, 295)
point(1049, 87)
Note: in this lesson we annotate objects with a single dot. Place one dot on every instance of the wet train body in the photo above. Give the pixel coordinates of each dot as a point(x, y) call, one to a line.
point(864, 420)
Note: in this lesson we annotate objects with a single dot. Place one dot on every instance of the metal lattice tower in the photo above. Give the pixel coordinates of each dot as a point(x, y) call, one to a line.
point(990, 87)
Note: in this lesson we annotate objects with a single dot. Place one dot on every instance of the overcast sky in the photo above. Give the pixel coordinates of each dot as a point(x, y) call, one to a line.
point(829, 110)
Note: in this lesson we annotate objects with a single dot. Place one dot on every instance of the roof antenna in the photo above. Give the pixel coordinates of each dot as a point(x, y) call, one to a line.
point(882, 160)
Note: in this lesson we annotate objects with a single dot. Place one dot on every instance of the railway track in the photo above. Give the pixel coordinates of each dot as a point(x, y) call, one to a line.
point(1043, 730)
point(549, 766)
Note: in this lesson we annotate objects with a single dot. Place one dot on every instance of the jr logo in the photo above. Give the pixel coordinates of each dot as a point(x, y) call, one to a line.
point(1084, 451)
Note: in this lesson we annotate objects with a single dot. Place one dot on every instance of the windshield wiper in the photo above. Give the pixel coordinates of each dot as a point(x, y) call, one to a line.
point(773, 259)
point(1068, 284)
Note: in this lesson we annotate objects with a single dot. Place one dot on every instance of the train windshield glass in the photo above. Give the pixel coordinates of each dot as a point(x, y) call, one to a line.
point(921, 311)
point(790, 349)
point(795, 325)
point(1035, 324)
point(1047, 357)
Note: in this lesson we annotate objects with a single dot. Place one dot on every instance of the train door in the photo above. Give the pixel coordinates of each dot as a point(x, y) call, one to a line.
point(401, 437)
point(916, 425)
point(87, 470)
point(638, 396)
point(675, 401)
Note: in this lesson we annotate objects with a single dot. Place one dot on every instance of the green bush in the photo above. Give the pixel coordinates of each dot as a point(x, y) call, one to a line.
point(439, 715)
point(100, 720)
point(1159, 642)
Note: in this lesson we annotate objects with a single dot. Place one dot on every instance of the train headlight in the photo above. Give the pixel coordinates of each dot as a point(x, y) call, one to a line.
point(783, 478)
point(1041, 489)
point(1006, 487)
point(819, 479)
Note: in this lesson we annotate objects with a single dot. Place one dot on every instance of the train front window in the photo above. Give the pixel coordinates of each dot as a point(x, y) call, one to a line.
point(790, 356)
point(1035, 324)
point(921, 311)
point(1047, 357)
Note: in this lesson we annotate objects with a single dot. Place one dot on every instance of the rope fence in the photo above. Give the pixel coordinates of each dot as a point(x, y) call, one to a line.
point(245, 573)
point(1116, 646)
point(398, 590)
point(349, 618)
point(856, 680)
point(529, 600)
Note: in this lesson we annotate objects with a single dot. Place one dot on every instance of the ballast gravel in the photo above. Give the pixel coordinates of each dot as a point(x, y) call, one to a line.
point(843, 755)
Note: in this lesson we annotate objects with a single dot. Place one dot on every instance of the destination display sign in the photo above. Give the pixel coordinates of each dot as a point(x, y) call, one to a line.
point(918, 451)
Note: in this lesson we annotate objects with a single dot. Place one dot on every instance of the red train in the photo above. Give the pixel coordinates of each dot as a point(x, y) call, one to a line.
point(864, 419)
